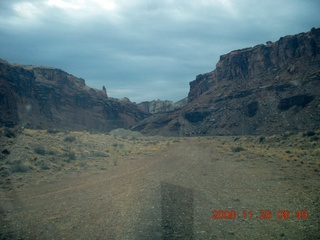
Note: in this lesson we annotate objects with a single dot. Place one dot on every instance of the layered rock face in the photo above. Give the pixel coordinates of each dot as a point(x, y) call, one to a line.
point(42, 97)
point(158, 106)
point(269, 88)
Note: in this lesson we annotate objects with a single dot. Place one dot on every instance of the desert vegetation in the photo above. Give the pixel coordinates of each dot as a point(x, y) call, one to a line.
point(52, 151)
point(102, 178)
point(287, 150)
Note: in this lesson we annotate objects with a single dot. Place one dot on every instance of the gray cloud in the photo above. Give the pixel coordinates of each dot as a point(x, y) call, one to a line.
point(143, 49)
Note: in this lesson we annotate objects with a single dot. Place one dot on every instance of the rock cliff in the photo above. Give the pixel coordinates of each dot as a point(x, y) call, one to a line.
point(43, 97)
point(269, 88)
point(157, 106)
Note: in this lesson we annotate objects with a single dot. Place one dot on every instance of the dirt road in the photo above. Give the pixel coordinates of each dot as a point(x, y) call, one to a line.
point(169, 195)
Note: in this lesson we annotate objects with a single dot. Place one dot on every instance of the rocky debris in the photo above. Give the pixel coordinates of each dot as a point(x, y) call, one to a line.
point(264, 89)
point(44, 97)
point(157, 106)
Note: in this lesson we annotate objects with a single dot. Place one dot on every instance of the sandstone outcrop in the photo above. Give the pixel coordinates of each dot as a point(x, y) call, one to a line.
point(43, 97)
point(266, 89)
point(158, 106)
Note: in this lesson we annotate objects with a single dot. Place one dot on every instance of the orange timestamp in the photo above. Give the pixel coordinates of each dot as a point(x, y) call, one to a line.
point(263, 214)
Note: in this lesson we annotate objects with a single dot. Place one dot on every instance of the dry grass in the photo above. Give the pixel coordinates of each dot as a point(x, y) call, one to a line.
point(51, 151)
point(287, 150)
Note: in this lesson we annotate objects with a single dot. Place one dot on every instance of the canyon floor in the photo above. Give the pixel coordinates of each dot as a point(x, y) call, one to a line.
point(81, 185)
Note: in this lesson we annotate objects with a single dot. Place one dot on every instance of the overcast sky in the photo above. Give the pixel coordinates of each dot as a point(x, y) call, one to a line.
point(143, 49)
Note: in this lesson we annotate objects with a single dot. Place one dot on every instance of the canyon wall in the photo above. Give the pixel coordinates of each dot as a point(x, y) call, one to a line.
point(266, 89)
point(43, 97)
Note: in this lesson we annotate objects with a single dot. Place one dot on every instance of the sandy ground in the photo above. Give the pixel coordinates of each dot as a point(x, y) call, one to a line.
point(170, 193)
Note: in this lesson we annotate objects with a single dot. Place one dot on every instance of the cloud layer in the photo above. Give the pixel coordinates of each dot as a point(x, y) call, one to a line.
point(143, 49)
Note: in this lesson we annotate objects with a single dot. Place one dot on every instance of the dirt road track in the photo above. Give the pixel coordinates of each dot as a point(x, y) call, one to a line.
point(131, 201)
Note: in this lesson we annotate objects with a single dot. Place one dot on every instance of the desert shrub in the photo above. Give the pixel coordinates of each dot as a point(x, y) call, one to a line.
point(83, 164)
point(120, 145)
point(9, 133)
point(71, 156)
point(314, 139)
point(45, 167)
point(4, 171)
point(316, 152)
point(100, 154)
point(51, 152)
point(237, 149)
point(309, 134)
point(53, 131)
point(115, 162)
point(19, 167)
point(40, 150)
point(6, 152)
point(44, 163)
point(261, 139)
point(70, 139)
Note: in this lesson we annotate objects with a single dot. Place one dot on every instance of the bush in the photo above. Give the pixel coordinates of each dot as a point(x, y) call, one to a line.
point(9, 133)
point(71, 156)
point(45, 167)
point(51, 152)
point(70, 139)
point(115, 162)
point(100, 154)
point(53, 131)
point(261, 139)
point(83, 164)
point(6, 152)
point(19, 167)
point(309, 133)
point(120, 145)
point(4, 172)
point(237, 149)
point(40, 151)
